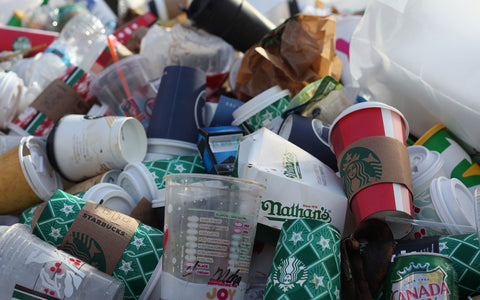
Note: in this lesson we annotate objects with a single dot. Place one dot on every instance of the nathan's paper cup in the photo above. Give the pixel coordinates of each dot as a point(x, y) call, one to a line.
point(108, 240)
point(457, 162)
point(34, 269)
point(369, 140)
point(306, 264)
point(311, 135)
point(263, 110)
point(27, 177)
point(177, 113)
point(425, 165)
point(159, 149)
point(80, 147)
point(210, 224)
point(125, 87)
point(112, 196)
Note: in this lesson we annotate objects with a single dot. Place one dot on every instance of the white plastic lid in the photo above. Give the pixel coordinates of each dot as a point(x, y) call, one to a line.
point(424, 164)
point(113, 197)
point(137, 181)
point(159, 200)
point(168, 148)
point(111, 176)
point(40, 175)
point(365, 105)
point(11, 89)
point(258, 103)
point(453, 202)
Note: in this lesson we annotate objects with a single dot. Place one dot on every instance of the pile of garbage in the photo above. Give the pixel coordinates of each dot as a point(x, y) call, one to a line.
point(234, 149)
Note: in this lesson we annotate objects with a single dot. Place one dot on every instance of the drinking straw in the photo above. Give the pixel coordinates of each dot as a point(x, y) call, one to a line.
point(22, 52)
point(120, 72)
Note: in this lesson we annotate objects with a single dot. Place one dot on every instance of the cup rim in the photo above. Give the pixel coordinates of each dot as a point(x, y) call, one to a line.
point(215, 177)
point(365, 105)
point(257, 103)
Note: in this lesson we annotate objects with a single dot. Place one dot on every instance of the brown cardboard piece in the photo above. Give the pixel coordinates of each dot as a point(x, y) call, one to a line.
point(296, 53)
point(374, 160)
point(146, 214)
point(60, 99)
point(99, 236)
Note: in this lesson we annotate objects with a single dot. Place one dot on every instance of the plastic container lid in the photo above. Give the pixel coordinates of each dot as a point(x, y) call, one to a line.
point(11, 89)
point(453, 202)
point(258, 103)
point(40, 175)
point(137, 181)
point(159, 200)
point(159, 149)
point(424, 164)
point(113, 197)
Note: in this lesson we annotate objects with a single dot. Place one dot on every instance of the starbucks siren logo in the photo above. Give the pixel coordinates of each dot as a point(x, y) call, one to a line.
point(358, 167)
point(291, 274)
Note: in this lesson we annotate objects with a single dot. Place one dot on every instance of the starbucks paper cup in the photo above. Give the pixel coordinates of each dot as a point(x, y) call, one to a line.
point(306, 264)
point(108, 240)
point(369, 140)
point(263, 110)
point(26, 178)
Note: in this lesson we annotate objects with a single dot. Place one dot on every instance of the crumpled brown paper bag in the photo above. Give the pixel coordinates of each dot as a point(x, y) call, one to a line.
point(296, 53)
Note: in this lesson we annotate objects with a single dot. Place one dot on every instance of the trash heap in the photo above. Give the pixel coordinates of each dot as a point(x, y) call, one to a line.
point(237, 150)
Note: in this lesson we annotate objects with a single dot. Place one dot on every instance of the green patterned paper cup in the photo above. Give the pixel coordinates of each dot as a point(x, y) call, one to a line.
point(306, 264)
point(263, 110)
point(138, 261)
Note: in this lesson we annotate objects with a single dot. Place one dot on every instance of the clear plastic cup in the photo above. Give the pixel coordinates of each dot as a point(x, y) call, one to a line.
point(210, 224)
point(29, 265)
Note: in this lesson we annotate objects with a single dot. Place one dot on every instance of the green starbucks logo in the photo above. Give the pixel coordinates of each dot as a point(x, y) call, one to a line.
point(359, 166)
point(21, 43)
point(290, 275)
point(87, 249)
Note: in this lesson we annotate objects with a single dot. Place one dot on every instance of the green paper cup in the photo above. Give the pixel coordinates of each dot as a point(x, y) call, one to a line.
point(263, 110)
point(306, 264)
point(138, 261)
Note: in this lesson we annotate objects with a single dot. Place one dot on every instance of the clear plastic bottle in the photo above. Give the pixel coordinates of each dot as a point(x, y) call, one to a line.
point(81, 41)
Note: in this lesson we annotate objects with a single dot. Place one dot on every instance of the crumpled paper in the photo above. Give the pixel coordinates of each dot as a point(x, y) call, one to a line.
point(299, 51)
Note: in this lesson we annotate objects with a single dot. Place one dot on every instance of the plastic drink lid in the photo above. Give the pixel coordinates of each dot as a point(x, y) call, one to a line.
point(423, 164)
point(113, 196)
point(257, 103)
point(11, 88)
point(159, 200)
point(365, 105)
point(137, 180)
point(40, 175)
point(453, 201)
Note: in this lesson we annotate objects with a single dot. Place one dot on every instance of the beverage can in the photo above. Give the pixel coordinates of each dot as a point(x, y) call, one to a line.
point(421, 276)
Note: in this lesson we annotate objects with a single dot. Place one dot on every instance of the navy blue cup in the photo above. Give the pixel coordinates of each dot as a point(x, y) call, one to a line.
point(311, 135)
point(177, 112)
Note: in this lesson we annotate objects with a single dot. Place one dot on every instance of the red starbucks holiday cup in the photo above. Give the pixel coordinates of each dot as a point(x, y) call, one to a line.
point(369, 141)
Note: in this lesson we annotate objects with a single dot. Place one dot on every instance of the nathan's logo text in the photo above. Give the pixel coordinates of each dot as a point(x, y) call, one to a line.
point(276, 211)
point(292, 167)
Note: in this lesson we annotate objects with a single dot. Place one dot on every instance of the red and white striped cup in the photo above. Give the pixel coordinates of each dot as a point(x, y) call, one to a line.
point(371, 119)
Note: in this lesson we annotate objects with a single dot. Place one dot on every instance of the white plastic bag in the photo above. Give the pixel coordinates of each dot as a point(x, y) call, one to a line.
point(422, 58)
